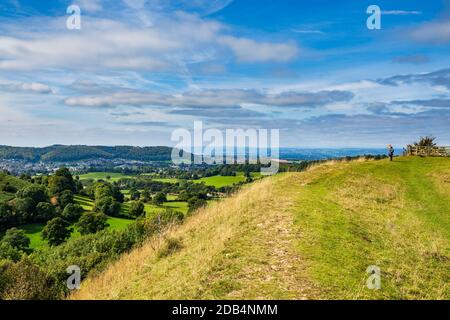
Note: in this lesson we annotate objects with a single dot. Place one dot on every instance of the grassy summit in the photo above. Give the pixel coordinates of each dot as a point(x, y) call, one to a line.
point(307, 235)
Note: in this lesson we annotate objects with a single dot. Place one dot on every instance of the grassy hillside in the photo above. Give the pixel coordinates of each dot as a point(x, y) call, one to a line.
point(307, 235)
point(7, 180)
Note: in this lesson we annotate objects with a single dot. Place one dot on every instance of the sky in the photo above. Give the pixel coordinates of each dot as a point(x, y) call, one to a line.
point(137, 70)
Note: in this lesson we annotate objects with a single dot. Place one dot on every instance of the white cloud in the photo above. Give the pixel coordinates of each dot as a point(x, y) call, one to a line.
point(33, 87)
point(107, 44)
point(435, 32)
point(248, 50)
point(210, 98)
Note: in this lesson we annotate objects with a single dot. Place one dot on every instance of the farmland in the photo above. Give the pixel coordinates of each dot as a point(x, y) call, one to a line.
point(107, 176)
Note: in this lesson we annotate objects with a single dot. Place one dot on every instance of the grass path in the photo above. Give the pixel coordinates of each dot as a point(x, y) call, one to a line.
point(307, 235)
point(226, 246)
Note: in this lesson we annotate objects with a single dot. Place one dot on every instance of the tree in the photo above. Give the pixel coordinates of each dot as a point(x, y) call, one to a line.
point(45, 211)
point(56, 232)
point(427, 141)
point(8, 252)
point(145, 195)
point(7, 217)
point(72, 212)
point(60, 181)
point(65, 198)
point(24, 209)
point(92, 222)
point(37, 193)
point(159, 198)
point(137, 209)
point(17, 239)
point(107, 205)
point(196, 203)
point(134, 194)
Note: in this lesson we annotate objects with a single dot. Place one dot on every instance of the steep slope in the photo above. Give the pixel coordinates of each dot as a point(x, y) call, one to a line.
point(307, 235)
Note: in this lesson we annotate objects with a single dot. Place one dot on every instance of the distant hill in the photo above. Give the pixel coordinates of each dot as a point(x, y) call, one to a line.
point(60, 153)
point(309, 235)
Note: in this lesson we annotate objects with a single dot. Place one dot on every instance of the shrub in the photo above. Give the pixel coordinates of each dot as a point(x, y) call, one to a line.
point(92, 222)
point(56, 232)
point(45, 211)
point(7, 252)
point(107, 205)
point(24, 281)
point(137, 209)
point(195, 203)
point(65, 198)
point(159, 198)
point(72, 212)
point(17, 239)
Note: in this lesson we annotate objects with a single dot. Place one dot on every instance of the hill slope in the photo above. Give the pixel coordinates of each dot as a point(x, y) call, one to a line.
point(307, 235)
point(60, 153)
point(9, 185)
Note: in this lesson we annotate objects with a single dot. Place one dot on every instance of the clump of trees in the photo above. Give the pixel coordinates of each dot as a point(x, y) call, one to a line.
point(42, 275)
point(92, 222)
point(427, 141)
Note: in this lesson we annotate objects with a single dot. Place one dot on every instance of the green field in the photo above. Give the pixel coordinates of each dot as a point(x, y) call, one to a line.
point(216, 181)
point(167, 180)
point(12, 181)
point(33, 231)
point(103, 176)
point(224, 181)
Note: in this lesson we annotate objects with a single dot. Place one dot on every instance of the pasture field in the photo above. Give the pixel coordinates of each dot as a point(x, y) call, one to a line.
point(103, 176)
point(34, 231)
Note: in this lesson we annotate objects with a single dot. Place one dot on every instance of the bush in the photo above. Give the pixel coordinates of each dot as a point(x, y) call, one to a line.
point(72, 212)
point(65, 198)
point(36, 193)
point(196, 203)
point(24, 281)
point(7, 252)
point(17, 239)
point(159, 198)
point(108, 206)
point(56, 232)
point(45, 211)
point(137, 209)
point(92, 222)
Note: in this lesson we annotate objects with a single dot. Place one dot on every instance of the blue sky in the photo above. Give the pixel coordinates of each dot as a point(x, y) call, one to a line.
point(137, 70)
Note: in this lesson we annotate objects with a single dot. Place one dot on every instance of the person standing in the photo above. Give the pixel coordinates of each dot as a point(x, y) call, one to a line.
point(391, 151)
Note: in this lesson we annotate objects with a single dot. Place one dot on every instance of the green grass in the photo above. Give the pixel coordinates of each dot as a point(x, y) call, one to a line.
point(309, 235)
point(34, 231)
point(103, 176)
point(118, 223)
point(86, 203)
point(392, 215)
point(224, 181)
point(167, 180)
